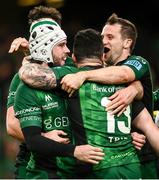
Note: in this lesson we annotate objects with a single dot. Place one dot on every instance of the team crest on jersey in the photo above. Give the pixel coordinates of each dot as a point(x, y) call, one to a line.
point(48, 98)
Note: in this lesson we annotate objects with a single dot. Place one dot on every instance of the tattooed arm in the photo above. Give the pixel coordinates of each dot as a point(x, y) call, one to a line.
point(38, 76)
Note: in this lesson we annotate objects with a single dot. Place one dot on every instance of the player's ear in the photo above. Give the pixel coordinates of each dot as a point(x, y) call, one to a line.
point(74, 58)
point(127, 43)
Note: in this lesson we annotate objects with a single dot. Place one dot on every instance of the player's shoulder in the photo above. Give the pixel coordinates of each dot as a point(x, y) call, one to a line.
point(15, 79)
point(16, 76)
point(138, 58)
point(68, 69)
point(26, 94)
point(23, 88)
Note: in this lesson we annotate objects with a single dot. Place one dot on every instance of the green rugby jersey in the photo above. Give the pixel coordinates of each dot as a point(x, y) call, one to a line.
point(44, 109)
point(100, 128)
point(23, 155)
point(141, 68)
point(92, 124)
point(12, 90)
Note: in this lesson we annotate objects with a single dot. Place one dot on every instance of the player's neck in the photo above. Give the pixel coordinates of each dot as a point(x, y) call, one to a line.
point(90, 62)
point(122, 57)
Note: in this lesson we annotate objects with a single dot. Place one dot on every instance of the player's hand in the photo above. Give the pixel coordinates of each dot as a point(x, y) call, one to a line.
point(57, 135)
point(19, 44)
point(89, 154)
point(72, 82)
point(119, 101)
point(138, 140)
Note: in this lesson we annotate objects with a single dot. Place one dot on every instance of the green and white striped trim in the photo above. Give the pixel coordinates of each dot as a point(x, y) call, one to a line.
point(44, 22)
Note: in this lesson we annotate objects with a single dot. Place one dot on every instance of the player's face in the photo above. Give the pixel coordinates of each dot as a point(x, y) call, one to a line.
point(112, 40)
point(60, 53)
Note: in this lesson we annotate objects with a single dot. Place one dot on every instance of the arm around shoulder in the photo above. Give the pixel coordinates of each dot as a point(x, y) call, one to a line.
point(111, 75)
point(38, 76)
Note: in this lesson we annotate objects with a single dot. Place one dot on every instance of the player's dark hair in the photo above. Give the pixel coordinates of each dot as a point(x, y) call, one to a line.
point(44, 12)
point(88, 44)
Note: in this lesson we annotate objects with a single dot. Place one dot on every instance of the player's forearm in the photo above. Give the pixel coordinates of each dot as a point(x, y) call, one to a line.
point(49, 147)
point(15, 133)
point(14, 130)
point(110, 75)
point(37, 76)
point(152, 136)
point(13, 125)
point(145, 123)
point(137, 89)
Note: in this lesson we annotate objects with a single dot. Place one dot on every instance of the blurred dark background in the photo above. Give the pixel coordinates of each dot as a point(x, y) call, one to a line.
point(77, 14)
